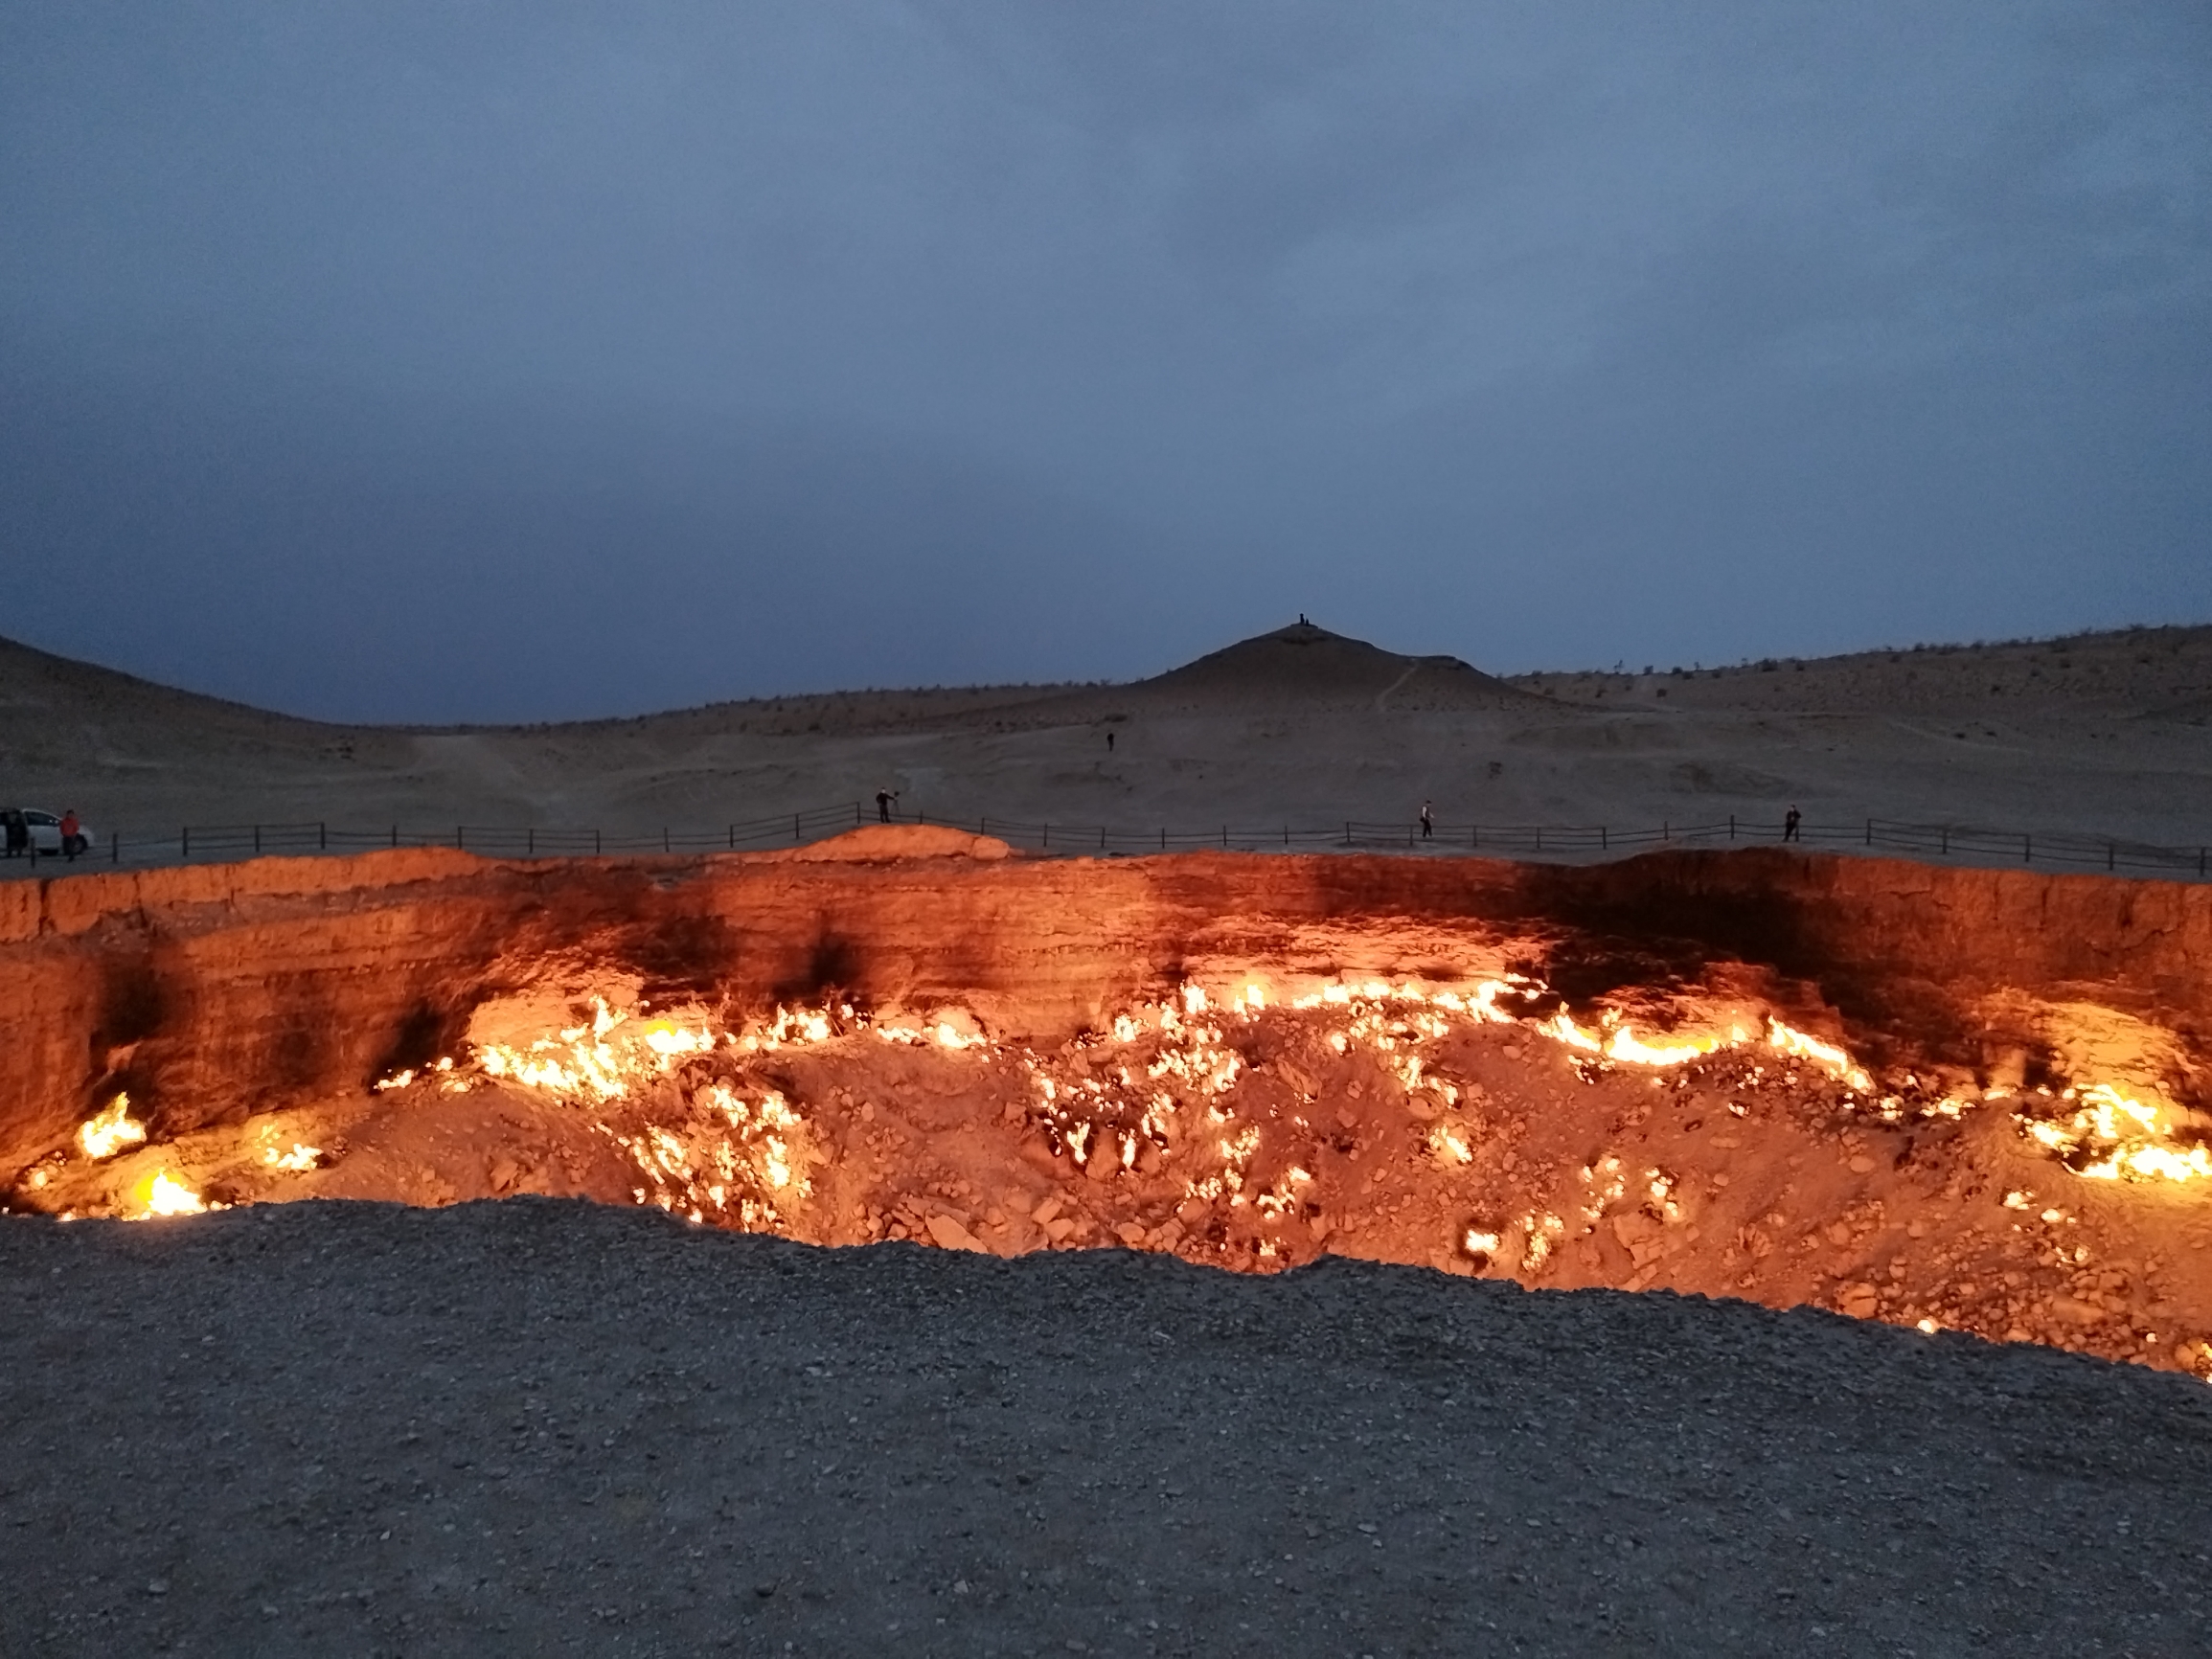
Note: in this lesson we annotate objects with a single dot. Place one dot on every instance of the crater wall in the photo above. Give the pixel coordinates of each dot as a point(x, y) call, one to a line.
point(216, 992)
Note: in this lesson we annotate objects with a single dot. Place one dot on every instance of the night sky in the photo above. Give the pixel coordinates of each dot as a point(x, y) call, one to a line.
point(485, 360)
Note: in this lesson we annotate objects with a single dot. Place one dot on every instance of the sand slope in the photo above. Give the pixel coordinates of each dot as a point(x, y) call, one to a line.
point(2101, 733)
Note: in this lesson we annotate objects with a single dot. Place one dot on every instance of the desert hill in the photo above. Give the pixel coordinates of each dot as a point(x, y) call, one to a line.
point(2098, 732)
point(49, 702)
point(2148, 672)
point(1309, 665)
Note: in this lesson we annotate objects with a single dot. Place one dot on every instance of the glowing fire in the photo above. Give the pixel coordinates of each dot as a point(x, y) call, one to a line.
point(165, 1196)
point(581, 1062)
point(2111, 1136)
point(110, 1129)
point(1232, 1120)
point(1824, 1055)
point(740, 1159)
point(1163, 1079)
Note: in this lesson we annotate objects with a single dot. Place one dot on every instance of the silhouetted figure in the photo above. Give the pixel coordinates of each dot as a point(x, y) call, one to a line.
point(19, 832)
point(1427, 819)
point(72, 843)
point(1109, 743)
point(1790, 822)
point(883, 800)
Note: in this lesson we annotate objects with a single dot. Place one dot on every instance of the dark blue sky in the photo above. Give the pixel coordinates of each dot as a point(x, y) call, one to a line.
point(483, 360)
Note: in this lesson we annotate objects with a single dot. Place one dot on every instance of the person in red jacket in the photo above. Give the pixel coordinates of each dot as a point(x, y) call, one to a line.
point(70, 839)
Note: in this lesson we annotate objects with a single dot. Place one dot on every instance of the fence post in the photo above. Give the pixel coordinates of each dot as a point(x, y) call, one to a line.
point(1731, 825)
point(1347, 831)
point(663, 836)
point(1540, 837)
point(1946, 840)
point(856, 820)
point(461, 836)
point(1475, 837)
point(2027, 849)
point(257, 838)
point(1048, 834)
point(1163, 838)
point(1285, 837)
point(734, 829)
point(1666, 830)
point(529, 842)
point(1870, 832)
point(1102, 837)
point(1603, 845)
point(323, 836)
point(184, 842)
point(115, 847)
point(2108, 856)
point(1224, 836)
point(595, 843)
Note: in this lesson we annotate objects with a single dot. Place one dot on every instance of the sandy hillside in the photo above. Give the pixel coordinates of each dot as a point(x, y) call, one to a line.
point(2099, 734)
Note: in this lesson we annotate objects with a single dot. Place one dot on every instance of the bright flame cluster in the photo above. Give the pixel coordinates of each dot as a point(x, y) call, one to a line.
point(2110, 1136)
point(110, 1129)
point(599, 1060)
point(741, 1169)
point(1616, 1040)
point(167, 1195)
point(1116, 1102)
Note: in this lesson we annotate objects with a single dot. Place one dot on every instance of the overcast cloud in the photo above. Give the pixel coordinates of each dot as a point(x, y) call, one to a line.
point(487, 360)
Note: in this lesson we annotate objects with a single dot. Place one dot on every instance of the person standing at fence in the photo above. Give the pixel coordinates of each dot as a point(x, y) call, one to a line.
point(883, 800)
point(1427, 819)
point(1790, 822)
point(17, 831)
point(71, 840)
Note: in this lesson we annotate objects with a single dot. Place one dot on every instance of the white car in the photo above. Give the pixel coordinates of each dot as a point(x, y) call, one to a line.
point(46, 831)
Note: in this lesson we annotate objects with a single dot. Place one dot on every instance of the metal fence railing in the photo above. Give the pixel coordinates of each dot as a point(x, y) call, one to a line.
point(218, 842)
point(196, 843)
point(1600, 840)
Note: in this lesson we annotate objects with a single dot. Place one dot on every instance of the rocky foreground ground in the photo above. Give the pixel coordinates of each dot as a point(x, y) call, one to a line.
point(542, 1427)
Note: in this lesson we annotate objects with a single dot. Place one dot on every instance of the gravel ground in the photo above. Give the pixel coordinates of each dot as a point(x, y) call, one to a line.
point(543, 1426)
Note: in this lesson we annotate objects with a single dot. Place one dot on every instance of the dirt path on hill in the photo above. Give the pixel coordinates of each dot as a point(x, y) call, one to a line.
point(542, 1426)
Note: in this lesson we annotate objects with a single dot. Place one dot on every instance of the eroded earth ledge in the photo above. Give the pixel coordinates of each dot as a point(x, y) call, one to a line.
point(1946, 1099)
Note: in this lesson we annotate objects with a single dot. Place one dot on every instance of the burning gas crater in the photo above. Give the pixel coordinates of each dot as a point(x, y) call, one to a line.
point(1477, 1129)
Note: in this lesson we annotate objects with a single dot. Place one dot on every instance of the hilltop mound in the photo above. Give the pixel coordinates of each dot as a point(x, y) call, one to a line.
point(1308, 663)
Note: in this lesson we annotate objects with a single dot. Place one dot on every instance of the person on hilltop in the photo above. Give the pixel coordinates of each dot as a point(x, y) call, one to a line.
point(1427, 819)
point(883, 800)
point(1790, 822)
point(72, 842)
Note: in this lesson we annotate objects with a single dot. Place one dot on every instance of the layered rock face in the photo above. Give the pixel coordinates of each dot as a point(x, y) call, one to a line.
point(1244, 1060)
point(210, 992)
